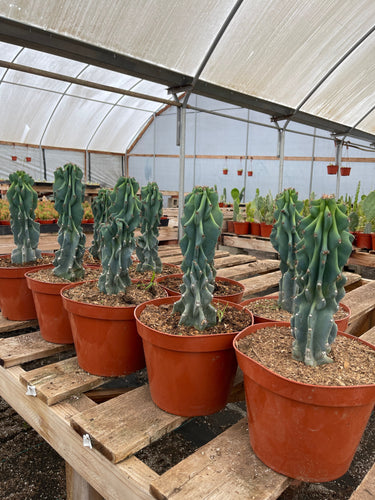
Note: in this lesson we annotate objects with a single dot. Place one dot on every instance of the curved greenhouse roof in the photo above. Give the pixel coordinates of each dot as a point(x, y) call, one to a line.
point(82, 74)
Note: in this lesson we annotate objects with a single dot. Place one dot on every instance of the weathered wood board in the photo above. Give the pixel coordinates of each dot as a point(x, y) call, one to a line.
point(362, 304)
point(6, 325)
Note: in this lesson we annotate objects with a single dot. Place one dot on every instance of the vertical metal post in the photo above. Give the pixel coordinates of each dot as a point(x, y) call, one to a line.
point(280, 148)
point(122, 164)
point(44, 164)
point(338, 144)
point(154, 157)
point(246, 152)
point(195, 141)
point(181, 186)
point(312, 163)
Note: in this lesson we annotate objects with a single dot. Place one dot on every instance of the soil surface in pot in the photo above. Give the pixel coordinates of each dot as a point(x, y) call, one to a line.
point(222, 288)
point(42, 261)
point(147, 275)
point(135, 294)
point(354, 362)
point(269, 308)
point(161, 318)
point(47, 275)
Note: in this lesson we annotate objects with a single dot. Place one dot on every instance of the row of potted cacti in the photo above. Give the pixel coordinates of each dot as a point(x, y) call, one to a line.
point(313, 251)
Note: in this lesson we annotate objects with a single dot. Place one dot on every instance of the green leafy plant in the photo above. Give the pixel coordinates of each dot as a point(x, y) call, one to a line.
point(100, 209)
point(202, 222)
point(45, 210)
point(284, 238)
point(368, 207)
point(68, 192)
point(220, 311)
point(87, 211)
point(250, 211)
point(147, 242)
point(22, 200)
point(223, 197)
point(266, 208)
point(321, 254)
point(118, 242)
point(354, 212)
point(4, 210)
point(237, 196)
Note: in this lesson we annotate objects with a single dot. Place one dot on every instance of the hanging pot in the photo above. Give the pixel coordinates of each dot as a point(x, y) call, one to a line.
point(14, 158)
point(239, 172)
point(28, 158)
point(345, 171)
point(225, 171)
point(249, 173)
point(332, 169)
point(304, 431)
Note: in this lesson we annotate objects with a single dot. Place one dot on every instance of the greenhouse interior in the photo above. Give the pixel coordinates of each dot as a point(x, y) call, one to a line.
point(212, 162)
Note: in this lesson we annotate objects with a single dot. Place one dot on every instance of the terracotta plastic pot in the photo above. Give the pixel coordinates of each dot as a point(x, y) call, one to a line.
point(188, 375)
point(5, 222)
point(45, 221)
point(345, 171)
point(249, 173)
point(373, 240)
point(307, 432)
point(332, 169)
point(105, 337)
point(52, 317)
point(230, 226)
point(242, 227)
point(265, 229)
point(363, 240)
point(255, 228)
point(225, 171)
point(239, 172)
point(16, 299)
point(234, 298)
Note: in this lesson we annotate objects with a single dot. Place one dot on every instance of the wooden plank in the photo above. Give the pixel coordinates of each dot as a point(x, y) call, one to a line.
point(137, 420)
point(369, 336)
point(361, 259)
point(249, 243)
point(247, 270)
point(353, 281)
point(233, 260)
point(6, 325)
point(127, 481)
point(259, 284)
point(362, 304)
point(23, 348)
point(60, 380)
point(77, 488)
point(226, 467)
point(366, 490)
point(177, 259)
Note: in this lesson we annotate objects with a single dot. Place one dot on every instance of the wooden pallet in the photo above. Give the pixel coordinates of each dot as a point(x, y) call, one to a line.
point(61, 412)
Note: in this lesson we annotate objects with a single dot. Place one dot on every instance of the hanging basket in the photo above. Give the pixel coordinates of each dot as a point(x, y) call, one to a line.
point(225, 171)
point(332, 169)
point(345, 171)
point(239, 172)
point(14, 158)
point(28, 158)
point(250, 173)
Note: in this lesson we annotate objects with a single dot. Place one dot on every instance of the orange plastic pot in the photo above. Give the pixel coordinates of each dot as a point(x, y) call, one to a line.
point(234, 297)
point(345, 171)
point(242, 227)
point(16, 299)
point(105, 337)
point(188, 375)
point(332, 169)
point(307, 432)
point(255, 228)
point(373, 240)
point(265, 229)
point(52, 317)
point(230, 226)
point(363, 240)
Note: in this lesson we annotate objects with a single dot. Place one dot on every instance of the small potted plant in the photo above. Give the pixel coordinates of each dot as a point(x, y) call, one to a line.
point(321, 415)
point(88, 216)
point(4, 213)
point(266, 209)
point(189, 359)
point(237, 196)
point(45, 212)
point(332, 169)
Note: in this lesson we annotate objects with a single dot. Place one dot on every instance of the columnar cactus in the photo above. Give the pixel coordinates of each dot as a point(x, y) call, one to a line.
point(202, 222)
point(100, 208)
point(284, 238)
point(237, 198)
point(117, 235)
point(147, 242)
point(321, 255)
point(68, 191)
point(22, 203)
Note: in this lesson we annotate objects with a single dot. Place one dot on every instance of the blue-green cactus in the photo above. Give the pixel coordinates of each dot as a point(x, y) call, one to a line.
point(100, 209)
point(237, 196)
point(202, 222)
point(118, 242)
point(147, 242)
point(321, 255)
point(284, 238)
point(22, 203)
point(69, 191)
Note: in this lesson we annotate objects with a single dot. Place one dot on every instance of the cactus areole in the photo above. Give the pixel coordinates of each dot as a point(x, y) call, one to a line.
point(147, 242)
point(202, 222)
point(68, 191)
point(284, 238)
point(117, 235)
point(22, 204)
point(100, 209)
point(321, 255)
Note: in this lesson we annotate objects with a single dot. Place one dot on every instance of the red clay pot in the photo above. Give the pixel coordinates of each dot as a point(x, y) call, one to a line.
point(230, 226)
point(4, 222)
point(52, 317)
point(345, 171)
point(16, 300)
point(242, 227)
point(188, 375)
point(234, 298)
point(14, 158)
point(265, 229)
point(45, 221)
point(373, 240)
point(249, 173)
point(255, 228)
point(225, 171)
point(105, 337)
point(239, 172)
point(363, 240)
point(307, 432)
point(342, 324)
point(332, 169)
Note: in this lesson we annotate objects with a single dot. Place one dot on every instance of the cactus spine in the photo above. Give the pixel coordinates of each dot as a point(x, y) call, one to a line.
point(147, 242)
point(100, 208)
point(284, 237)
point(117, 235)
point(68, 191)
point(22, 203)
point(202, 221)
point(321, 255)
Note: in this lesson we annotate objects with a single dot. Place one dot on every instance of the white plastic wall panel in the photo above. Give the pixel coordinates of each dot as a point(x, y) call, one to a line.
point(8, 166)
point(58, 158)
point(105, 169)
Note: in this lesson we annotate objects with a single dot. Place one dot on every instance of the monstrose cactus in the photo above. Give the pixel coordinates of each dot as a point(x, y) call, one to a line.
point(147, 242)
point(22, 203)
point(321, 255)
point(100, 208)
point(284, 238)
point(202, 222)
point(68, 191)
point(117, 235)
